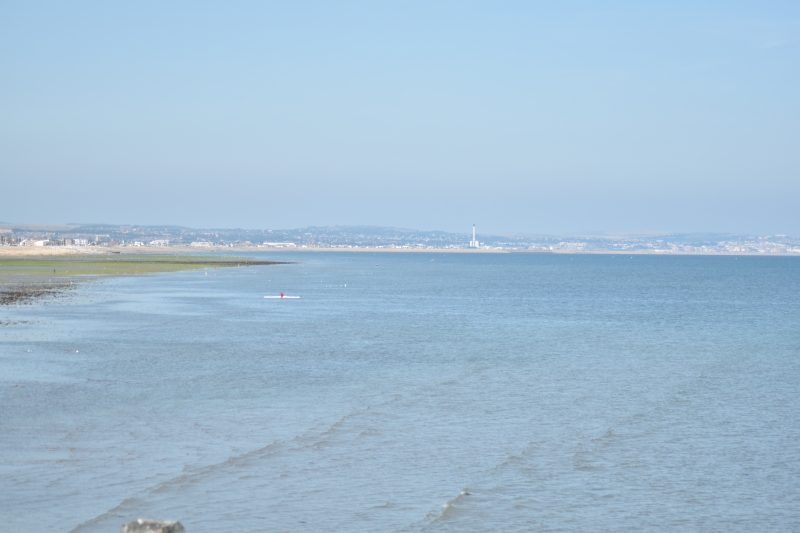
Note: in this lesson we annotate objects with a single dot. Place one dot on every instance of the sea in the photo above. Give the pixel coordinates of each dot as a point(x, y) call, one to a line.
point(410, 392)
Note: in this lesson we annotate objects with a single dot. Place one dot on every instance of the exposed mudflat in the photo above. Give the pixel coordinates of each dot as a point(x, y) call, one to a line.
point(26, 293)
point(24, 280)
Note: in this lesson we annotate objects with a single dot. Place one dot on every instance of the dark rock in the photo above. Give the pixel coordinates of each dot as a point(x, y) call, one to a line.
point(147, 525)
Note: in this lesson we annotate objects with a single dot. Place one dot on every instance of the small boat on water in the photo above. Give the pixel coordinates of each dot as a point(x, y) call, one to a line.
point(283, 297)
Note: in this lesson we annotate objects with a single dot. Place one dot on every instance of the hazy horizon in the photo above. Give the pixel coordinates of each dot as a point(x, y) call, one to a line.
point(551, 120)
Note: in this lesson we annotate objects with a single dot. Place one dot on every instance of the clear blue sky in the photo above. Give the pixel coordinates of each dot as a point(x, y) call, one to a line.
point(517, 116)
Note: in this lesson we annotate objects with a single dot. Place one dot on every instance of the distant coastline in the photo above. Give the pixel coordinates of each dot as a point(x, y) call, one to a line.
point(39, 239)
point(56, 251)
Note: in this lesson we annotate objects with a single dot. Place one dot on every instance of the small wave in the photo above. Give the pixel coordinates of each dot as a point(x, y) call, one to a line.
point(386, 505)
point(608, 435)
point(312, 438)
point(184, 479)
point(515, 458)
point(114, 511)
point(449, 507)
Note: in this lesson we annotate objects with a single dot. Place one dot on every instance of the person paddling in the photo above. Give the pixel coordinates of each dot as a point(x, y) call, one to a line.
point(281, 295)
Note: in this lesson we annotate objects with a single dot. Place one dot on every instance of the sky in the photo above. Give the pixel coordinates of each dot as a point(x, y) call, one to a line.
point(530, 117)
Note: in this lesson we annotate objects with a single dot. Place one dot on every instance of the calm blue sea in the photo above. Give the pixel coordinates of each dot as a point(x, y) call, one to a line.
point(410, 392)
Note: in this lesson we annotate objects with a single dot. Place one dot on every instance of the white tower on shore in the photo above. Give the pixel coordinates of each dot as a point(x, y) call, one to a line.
point(473, 243)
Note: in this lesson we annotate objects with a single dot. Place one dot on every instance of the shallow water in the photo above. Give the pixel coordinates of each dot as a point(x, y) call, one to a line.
point(435, 392)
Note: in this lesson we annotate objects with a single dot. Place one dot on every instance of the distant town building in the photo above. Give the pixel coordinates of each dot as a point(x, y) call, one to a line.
point(159, 242)
point(474, 242)
point(33, 242)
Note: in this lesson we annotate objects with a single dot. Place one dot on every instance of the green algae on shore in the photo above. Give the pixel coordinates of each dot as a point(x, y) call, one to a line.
point(119, 265)
point(25, 279)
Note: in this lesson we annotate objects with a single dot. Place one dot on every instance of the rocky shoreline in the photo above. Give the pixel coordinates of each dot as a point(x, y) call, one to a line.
point(27, 293)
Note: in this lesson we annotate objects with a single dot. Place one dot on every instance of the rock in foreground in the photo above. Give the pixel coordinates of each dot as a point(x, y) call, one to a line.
point(147, 525)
